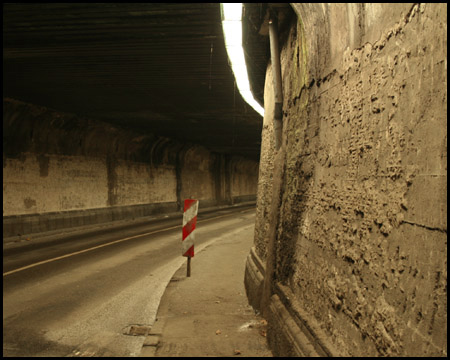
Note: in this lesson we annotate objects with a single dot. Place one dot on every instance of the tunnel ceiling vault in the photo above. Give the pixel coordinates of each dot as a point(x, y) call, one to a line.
point(154, 68)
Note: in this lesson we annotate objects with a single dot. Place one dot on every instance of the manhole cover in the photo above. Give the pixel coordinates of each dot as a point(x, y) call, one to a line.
point(137, 330)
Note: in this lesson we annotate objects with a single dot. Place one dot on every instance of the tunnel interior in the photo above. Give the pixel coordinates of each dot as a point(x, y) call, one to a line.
point(120, 111)
point(158, 69)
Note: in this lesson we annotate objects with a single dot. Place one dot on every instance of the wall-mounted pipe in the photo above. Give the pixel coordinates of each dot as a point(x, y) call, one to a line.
point(276, 70)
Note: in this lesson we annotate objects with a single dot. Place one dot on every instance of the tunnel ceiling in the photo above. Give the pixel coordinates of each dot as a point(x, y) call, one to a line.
point(154, 68)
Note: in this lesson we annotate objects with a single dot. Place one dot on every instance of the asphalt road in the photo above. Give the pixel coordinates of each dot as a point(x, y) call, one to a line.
point(78, 296)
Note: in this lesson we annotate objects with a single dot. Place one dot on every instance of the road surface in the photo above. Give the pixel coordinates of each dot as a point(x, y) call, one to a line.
point(79, 296)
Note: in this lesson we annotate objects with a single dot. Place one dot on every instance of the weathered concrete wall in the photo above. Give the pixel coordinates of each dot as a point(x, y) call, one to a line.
point(46, 183)
point(356, 252)
point(244, 175)
point(61, 166)
point(197, 177)
point(141, 183)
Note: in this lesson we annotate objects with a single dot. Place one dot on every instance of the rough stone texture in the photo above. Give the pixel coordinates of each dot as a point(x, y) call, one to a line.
point(361, 234)
point(264, 193)
point(56, 162)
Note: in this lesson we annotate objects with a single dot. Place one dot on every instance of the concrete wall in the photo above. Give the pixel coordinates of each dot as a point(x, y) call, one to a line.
point(244, 175)
point(141, 183)
point(60, 171)
point(47, 183)
point(353, 260)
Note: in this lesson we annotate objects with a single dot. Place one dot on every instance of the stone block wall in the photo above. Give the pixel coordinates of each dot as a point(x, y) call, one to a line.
point(355, 252)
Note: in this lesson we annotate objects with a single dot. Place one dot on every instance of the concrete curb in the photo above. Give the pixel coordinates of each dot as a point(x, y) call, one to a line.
point(153, 338)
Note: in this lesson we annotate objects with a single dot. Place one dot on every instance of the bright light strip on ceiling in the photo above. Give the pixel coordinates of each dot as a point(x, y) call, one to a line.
point(232, 31)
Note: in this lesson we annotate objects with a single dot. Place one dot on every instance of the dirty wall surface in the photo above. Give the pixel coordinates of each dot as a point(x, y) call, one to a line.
point(360, 236)
point(56, 162)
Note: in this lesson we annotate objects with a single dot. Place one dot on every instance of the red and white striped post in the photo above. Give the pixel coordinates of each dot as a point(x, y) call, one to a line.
point(189, 222)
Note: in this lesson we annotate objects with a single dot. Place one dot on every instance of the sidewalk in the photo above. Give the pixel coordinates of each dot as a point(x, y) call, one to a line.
point(208, 314)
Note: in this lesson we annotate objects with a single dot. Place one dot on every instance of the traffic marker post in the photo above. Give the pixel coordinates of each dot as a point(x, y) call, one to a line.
point(189, 222)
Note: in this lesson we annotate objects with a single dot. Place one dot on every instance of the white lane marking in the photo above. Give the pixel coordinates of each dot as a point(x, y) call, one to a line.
point(103, 245)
